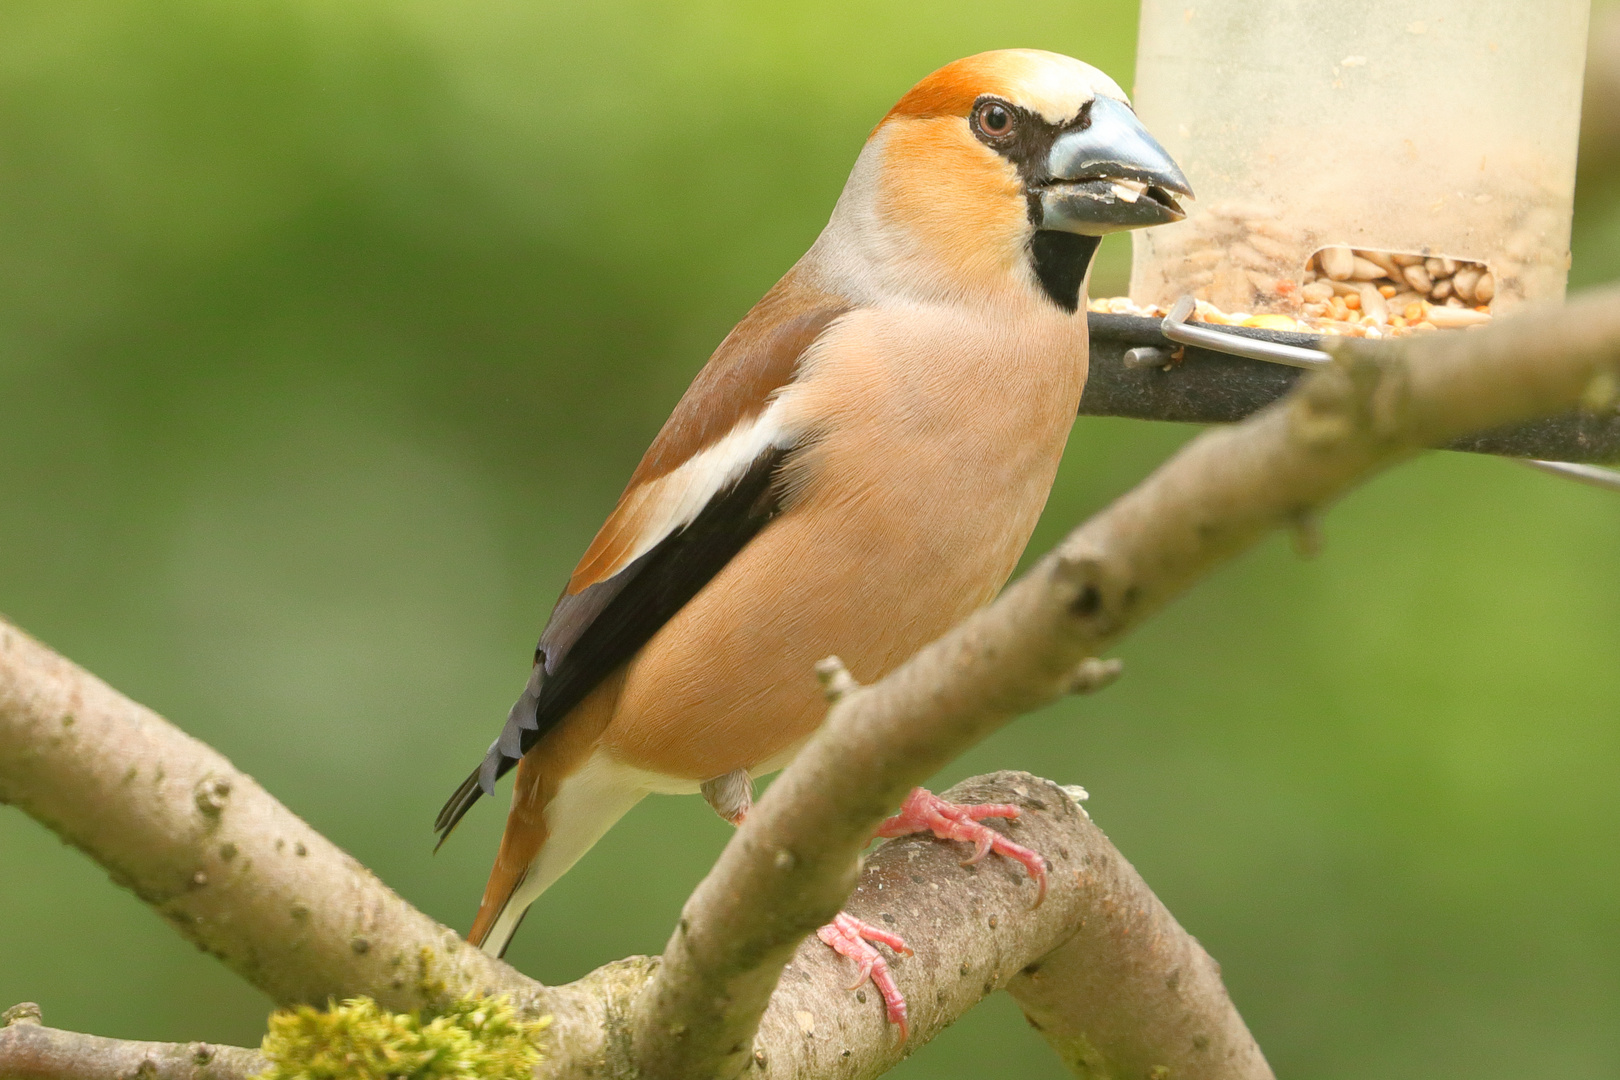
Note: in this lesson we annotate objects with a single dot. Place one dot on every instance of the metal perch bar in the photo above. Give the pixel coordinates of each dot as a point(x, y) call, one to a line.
point(1583, 474)
point(1177, 329)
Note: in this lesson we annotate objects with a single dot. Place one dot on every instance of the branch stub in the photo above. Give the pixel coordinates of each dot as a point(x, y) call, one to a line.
point(26, 1012)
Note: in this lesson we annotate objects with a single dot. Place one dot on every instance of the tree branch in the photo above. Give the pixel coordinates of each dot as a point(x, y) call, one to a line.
point(243, 877)
point(1123, 997)
point(240, 875)
point(229, 867)
point(30, 1051)
point(285, 908)
point(973, 930)
point(791, 864)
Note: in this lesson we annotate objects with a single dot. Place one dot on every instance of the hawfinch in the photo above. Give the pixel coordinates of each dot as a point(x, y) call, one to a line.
point(857, 468)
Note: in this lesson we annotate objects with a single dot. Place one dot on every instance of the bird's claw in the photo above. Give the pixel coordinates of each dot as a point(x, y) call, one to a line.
point(923, 811)
point(848, 936)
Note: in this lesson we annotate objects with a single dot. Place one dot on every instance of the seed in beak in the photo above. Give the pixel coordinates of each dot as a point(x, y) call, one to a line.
point(1129, 190)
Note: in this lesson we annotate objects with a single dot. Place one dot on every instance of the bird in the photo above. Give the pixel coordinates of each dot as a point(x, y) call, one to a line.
point(858, 467)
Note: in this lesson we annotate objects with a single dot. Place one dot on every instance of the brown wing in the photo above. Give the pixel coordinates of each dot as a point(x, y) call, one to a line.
point(755, 360)
point(703, 490)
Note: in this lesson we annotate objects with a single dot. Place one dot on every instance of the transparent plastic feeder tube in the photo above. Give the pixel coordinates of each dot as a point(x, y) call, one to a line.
point(1438, 131)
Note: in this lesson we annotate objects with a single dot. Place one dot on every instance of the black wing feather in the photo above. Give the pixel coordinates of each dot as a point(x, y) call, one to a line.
point(593, 632)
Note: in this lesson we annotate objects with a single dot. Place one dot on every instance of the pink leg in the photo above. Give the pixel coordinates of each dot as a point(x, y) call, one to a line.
point(923, 811)
point(848, 936)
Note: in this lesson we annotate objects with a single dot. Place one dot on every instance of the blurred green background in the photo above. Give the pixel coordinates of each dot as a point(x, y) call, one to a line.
point(328, 334)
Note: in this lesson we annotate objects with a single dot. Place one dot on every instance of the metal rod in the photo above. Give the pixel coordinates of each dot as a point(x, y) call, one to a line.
point(1145, 356)
point(1596, 475)
point(1178, 329)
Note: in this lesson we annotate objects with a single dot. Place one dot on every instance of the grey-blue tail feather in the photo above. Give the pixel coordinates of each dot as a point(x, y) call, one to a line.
point(593, 632)
point(456, 808)
point(479, 782)
point(503, 753)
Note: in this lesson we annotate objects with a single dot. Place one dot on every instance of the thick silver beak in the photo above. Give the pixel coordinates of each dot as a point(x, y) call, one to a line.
point(1110, 176)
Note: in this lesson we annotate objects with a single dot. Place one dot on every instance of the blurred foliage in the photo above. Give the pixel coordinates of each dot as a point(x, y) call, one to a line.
point(328, 334)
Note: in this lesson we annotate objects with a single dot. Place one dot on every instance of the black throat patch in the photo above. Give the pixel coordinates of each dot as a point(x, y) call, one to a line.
point(1061, 261)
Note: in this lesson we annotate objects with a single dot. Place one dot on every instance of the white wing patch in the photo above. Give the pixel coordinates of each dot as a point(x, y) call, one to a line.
point(674, 500)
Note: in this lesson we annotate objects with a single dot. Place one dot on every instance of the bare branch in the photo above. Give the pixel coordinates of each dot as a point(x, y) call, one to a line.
point(228, 866)
point(791, 865)
point(1128, 996)
point(973, 930)
point(30, 1051)
point(239, 874)
point(158, 807)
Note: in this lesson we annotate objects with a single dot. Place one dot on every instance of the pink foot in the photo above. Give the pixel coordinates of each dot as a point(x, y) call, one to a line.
point(848, 936)
point(923, 811)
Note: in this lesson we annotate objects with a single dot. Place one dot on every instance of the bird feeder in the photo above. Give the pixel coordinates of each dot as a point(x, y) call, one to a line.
point(1409, 161)
point(1372, 169)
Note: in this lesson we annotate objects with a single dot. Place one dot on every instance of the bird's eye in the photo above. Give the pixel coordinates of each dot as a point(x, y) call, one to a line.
point(994, 119)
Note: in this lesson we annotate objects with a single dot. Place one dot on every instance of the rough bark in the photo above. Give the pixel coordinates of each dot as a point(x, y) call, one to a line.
point(972, 927)
point(1124, 998)
point(226, 864)
point(286, 908)
point(974, 932)
point(30, 1051)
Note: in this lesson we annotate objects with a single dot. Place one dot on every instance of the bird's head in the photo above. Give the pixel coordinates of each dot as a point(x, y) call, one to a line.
point(1011, 162)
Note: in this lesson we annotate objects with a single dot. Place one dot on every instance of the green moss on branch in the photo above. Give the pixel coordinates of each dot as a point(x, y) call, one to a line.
point(474, 1039)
